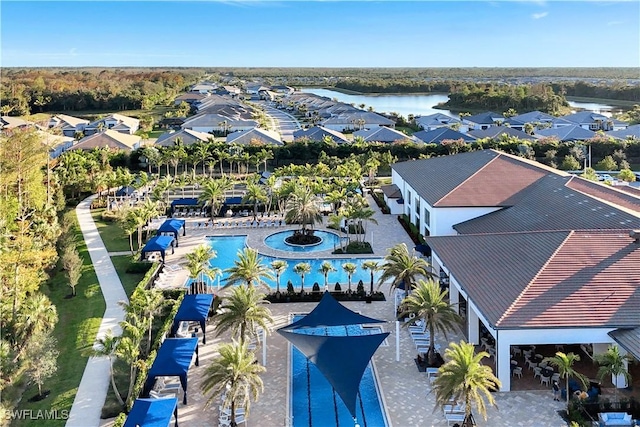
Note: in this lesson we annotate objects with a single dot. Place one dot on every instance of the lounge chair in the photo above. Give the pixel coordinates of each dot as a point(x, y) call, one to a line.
point(454, 418)
point(225, 420)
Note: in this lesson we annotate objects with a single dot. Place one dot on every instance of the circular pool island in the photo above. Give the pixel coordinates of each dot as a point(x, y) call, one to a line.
point(325, 240)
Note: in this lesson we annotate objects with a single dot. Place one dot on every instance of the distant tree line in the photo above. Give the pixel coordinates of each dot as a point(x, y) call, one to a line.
point(28, 91)
point(618, 90)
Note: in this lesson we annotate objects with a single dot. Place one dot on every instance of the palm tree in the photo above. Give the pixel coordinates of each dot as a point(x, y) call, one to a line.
point(302, 207)
point(234, 375)
point(36, 315)
point(464, 378)
point(615, 364)
point(106, 347)
point(198, 264)
point(372, 266)
point(564, 363)
point(279, 266)
point(151, 301)
point(302, 268)
point(325, 268)
point(349, 268)
point(403, 268)
point(213, 192)
point(254, 195)
point(243, 313)
point(429, 302)
point(249, 269)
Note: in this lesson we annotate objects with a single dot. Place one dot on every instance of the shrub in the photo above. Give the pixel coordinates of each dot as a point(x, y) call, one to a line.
point(290, 289)
point(338, 288)
point(360, 288)
point(315, 287)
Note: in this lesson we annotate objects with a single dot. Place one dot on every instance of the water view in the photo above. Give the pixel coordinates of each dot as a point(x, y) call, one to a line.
point(423, 104)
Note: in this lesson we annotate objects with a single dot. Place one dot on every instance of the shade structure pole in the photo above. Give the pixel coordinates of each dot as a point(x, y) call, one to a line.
point(397, 341)
point(264, 348)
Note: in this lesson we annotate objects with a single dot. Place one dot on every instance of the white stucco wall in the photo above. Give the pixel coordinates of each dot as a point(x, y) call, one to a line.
point(443, 219)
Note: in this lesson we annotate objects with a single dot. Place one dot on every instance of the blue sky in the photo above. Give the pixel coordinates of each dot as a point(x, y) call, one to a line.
point(526, 33)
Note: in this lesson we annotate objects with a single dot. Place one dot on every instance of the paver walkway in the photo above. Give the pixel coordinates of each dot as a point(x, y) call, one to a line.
point(92, 392)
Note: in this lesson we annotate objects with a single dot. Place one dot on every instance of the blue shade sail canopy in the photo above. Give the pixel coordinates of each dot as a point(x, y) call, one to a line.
point(173, 360)
point(153, 412)
point(158, 244)
point(330, 312)
point(194, 308)
point(341, 359)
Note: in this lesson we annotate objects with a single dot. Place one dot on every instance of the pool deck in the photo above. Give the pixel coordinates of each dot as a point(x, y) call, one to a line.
point(406, 392)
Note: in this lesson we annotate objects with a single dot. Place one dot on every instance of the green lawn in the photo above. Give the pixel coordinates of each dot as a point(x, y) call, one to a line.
point(129, 280)
point(79, 320)
point(115, 240)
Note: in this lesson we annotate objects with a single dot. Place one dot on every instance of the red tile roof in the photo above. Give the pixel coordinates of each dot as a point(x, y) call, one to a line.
point(628, 200)
point(547, 279)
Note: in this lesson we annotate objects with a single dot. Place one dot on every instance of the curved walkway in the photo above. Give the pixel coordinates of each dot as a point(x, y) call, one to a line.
point(92, 392)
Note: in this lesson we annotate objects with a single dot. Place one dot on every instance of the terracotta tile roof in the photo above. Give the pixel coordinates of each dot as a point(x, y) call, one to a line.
point(606, 193)
point(592, 280)
point(493, 184)
point(550, 205)
point(494, 269)
point(548, 279)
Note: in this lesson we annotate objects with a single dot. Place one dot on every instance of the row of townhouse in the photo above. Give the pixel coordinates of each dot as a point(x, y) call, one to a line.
point(530, 255)
point(573, 127)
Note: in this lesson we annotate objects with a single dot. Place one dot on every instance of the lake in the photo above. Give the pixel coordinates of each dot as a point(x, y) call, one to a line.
point(423, 104)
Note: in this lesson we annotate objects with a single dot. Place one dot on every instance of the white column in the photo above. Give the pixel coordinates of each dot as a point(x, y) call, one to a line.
point(503, 363)
point(397, 341)
point(474, 325)
point(264, 348)
point(454, 297)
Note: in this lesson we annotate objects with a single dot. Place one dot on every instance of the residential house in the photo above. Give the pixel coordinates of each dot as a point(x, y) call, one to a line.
point(190, 98)
point(393, 199)
point(318, 133)
point(228, 90)
point(254, 88)
point(9, 122)
point(538, 119)
point(357, 120)
point(57, 144)
point(531, 255)
point(497, 132)
point(383, 134)
point(438, 120)
point(115, 122)
point(111, 139)
point(287, 90)
point(483, 120)
point(255, 136)
point(566, 133)
point(437, 135)
point(69, 125)
point(186, 136)
point(632, 132)
point(204, 88)
point(206, 122)
point(594, 121)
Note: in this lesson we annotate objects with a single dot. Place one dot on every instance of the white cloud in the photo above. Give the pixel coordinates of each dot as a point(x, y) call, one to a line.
point(539, 15)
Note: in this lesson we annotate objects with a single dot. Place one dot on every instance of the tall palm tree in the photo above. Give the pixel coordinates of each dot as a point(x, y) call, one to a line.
point(614, 364)
point(243, 313)
point(372, 266)
point(248, 268)
point(279, 266)
point(151, 301)
point(234, 375)
point(213, 192)
point(325, 268)
point(564, 363)
point(403, 268)
point(199, 266)
point(349, 268)
point(302, 268)
point(36, 315)
point(254, 195)
point(302, 207)
point(465, 379)
point(429, 302)
point(106, 347)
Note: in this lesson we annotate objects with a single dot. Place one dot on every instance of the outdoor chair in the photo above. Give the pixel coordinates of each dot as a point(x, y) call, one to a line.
point(531, 364)
point(516, 351)
point(455, 418)
point(537, 372)
point(225, 420)
point(555, 377)
point(545, 380)
point(517, 372)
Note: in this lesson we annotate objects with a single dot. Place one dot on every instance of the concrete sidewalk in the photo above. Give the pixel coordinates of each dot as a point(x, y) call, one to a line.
point(87, 405)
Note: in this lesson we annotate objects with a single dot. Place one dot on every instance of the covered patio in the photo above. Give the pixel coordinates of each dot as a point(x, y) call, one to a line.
point(157, 245)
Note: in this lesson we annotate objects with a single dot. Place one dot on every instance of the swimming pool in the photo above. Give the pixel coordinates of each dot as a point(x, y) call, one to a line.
point(227, 248)
point(314, 403)
point(330, 241)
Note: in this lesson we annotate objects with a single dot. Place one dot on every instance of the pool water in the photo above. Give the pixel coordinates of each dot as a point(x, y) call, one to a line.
point(330, 241)
point(313, 401)
point(227, 248)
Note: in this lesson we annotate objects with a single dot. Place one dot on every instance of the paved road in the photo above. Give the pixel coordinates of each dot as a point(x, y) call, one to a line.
point(283, 122)
point(92, 392)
